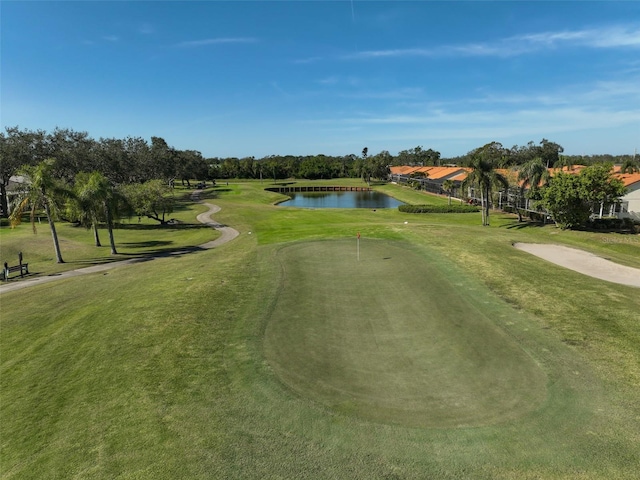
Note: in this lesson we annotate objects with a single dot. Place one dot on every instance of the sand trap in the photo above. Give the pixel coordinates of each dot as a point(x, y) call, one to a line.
point(584, 262)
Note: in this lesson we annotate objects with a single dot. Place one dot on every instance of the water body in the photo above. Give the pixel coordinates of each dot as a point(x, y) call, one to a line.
point(341, 200)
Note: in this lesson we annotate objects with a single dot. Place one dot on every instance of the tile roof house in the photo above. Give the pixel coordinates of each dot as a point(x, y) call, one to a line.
point(630, 202)
point(630, 207)
point(433, 178)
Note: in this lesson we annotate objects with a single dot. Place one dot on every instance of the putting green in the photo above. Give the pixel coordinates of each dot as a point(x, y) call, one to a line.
point(393, 338)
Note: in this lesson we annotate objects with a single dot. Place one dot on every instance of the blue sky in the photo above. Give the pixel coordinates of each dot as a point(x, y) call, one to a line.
point(299, 77)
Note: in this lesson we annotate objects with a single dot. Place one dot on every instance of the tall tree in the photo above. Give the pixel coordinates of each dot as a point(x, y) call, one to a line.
point(138, 166)
point(484, 176)
point(533, 175)
point(379, 165)
point(564, 161)
point(550, 152)
point(191, 165)
point(113, 161)
point(153, 199)
point(163, 161)
point(600, 187)
point(95, 199)
point(571, 199)
point(365, 168)
point(448, 185)
point(630, 165)
point(41, 191)
point(563, 199)
point(432, 157)
point(73, 151)
point(17, 148)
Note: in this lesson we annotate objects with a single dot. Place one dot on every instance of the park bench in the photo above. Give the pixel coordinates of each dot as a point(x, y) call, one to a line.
point(23, 268)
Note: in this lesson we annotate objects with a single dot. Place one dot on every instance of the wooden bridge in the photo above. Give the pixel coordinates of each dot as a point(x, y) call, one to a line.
point(316, 188)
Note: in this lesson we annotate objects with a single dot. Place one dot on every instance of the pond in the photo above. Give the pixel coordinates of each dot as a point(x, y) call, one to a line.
point(369, 199)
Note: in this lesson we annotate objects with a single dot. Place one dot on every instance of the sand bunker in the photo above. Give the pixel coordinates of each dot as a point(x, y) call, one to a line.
point(584, 262)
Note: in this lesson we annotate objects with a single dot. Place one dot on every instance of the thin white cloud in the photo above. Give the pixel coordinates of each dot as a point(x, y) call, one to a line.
point(111, 38)
point(577, 110)
point(146, 29)
point(393, 94)
point(476, 127)
point(602, 92)
point(304, 61)
point(215, 41)
point(338, 80)
point(605, 37)
point(331, 80)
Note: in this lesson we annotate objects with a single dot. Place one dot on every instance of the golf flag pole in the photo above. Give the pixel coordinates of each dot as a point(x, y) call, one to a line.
point(358, 246)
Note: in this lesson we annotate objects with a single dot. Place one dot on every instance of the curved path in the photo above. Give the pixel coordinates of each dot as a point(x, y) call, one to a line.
point(583, 262)
point(227, 234)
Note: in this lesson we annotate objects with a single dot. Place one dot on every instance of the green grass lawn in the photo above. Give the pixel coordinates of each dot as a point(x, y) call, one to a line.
point(395, 337)
point(443, 353)
point(134, 238)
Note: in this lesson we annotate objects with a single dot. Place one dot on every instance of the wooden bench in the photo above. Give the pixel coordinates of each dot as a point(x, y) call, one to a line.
point(23, 268)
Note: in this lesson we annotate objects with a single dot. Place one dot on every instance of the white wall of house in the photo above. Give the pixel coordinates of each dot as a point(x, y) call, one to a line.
point(631, 202)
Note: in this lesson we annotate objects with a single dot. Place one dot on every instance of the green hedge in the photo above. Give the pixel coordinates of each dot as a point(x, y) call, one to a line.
point(438, 208)
point(613, 224)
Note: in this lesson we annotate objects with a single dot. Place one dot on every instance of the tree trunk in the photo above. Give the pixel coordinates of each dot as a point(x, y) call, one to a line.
point(112, 242)
point(96, 237)
point(4, 205)
point(482, 206)
point(485, 194)
point(54, 234)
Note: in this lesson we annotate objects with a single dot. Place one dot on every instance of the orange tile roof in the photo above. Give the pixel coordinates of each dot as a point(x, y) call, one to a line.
point(435, 173)
point(628, 178)
point(432, 172)
point(460, 177)
point(403, 170)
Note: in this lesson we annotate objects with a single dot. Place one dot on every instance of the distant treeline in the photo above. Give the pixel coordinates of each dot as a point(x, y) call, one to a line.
point(135, 160)
point(351, 165)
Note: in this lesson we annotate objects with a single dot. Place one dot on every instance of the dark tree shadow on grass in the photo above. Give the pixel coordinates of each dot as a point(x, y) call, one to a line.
point(159, 226)
point(147, 244)
point(138, 256)
point(523, 225)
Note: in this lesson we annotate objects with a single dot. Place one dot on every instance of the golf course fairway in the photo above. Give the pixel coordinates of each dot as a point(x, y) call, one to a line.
point(387, 336)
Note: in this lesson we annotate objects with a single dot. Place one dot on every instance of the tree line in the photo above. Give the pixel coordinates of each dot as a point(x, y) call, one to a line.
point(134, 160)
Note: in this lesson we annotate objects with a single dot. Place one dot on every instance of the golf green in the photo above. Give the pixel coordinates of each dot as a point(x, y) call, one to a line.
point(389, 335)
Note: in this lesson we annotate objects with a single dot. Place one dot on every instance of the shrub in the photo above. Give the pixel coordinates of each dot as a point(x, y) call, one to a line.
point(438, 208)
point(612, 224)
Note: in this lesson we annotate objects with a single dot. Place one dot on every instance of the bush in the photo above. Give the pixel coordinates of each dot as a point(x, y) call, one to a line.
point(612, 224)
point(438, 208)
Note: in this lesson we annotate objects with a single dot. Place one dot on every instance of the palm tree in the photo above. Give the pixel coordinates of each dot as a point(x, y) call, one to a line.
point(95, 198)
point(533, 174)
point(448, 185)
point(630, 166)
point(81, 208)
point(563, 161)
point(485, 177)
point(41, 192)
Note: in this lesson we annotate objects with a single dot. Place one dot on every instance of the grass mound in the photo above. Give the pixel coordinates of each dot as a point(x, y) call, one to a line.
point(391, 339)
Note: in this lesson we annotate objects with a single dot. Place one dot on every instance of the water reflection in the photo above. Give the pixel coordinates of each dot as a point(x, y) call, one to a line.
point(341, 200)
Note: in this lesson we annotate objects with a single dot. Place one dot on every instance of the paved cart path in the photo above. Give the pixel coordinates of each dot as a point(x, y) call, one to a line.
point(584, 262)
point(227, 234)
